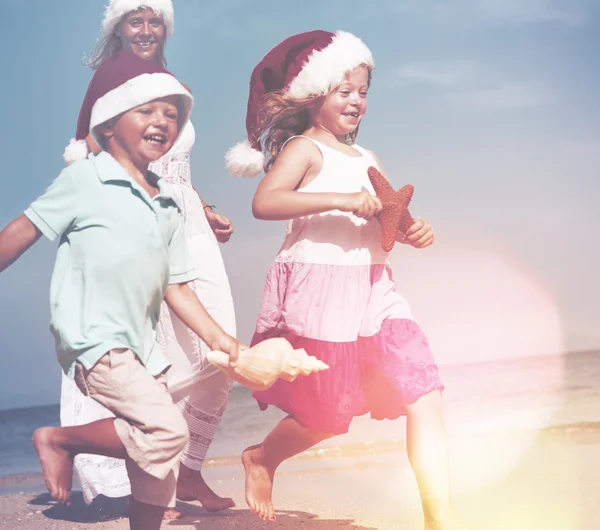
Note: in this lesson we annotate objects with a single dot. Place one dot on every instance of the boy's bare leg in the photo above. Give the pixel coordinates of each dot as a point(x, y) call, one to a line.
point(58, 446)
point(144, 516)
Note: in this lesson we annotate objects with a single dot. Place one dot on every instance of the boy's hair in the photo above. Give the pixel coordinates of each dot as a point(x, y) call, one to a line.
point(282, 116)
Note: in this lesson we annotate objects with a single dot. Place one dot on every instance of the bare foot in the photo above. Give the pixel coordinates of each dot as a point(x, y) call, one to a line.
point(191, 486)
point(259, 483)
point(57, 463)
point(171, 514)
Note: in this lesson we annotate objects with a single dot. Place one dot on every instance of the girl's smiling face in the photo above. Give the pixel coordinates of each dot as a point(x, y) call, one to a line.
point(341, 111)
point(143, 33)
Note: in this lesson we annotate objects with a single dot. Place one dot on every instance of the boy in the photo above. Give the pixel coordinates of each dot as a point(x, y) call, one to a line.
point(121, 251)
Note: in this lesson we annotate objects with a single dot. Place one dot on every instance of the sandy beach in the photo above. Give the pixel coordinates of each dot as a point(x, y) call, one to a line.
point(543, 480)
point(525, 455)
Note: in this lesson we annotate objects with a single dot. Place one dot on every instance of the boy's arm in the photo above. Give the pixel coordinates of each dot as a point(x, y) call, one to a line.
point(15, 239)
point(185, 304)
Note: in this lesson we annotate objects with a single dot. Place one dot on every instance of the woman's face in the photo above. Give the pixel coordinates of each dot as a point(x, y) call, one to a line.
point(142, 32)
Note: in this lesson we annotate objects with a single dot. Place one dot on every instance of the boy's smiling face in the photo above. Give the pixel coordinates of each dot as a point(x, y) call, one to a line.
point(144, 133)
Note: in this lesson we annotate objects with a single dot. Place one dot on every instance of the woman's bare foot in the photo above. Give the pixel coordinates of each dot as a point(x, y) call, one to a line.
point(57, 463)
point(259, 483)
point(191, 486)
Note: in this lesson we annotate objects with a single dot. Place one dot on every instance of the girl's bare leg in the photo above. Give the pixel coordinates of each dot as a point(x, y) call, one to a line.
point(428, 456)
point(287, 439)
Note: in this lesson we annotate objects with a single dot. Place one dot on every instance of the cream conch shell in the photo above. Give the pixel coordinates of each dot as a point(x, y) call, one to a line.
point(260, 366)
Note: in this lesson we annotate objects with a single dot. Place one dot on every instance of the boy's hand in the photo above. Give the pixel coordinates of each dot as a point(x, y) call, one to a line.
point(419, 235)
point(232, 347)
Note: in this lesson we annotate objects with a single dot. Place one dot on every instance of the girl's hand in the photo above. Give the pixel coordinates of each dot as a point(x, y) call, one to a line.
point(362, 204)
point(419, 235)
point(219, 224)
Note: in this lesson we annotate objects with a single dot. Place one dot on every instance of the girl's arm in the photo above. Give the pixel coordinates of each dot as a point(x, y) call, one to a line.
point(15, 239)
point(420, 234)
point(185, 304)
point(277, 198)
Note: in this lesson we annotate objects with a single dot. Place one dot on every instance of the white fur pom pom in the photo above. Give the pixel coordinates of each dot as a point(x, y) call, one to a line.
point(76, 150)
point(242, 160)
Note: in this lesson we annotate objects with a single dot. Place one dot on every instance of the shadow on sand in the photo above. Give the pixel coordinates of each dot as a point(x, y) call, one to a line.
point(104, 509)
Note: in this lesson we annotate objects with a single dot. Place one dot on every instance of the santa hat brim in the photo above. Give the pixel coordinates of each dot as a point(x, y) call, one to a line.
point(137, 91)
point(117, 9)
point(326, 68)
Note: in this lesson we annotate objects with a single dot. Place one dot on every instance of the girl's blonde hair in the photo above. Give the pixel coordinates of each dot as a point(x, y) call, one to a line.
point(111, 44)
point(282, 117)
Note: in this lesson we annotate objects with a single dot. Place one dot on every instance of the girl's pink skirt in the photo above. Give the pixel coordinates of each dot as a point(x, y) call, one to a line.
point(380, 375)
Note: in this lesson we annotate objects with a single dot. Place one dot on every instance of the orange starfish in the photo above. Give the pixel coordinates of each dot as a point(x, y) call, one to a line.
point(394, 217)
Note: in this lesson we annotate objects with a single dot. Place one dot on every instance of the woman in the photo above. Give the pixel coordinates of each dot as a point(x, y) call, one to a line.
point(143, 26)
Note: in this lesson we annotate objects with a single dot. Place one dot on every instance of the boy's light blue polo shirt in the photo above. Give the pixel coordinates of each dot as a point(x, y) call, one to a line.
point(119, 249)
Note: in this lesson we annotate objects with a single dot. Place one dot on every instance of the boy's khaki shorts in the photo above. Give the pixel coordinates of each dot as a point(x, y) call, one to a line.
point(147, 421)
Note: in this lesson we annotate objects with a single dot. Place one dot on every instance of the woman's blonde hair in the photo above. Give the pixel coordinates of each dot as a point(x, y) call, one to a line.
point(282, 117)
point(111, 44)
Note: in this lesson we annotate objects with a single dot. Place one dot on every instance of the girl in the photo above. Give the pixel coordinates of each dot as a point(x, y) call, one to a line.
point(143, 26)
point(330, 289)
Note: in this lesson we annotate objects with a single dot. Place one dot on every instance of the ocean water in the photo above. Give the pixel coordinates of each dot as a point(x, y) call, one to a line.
point(549, 393)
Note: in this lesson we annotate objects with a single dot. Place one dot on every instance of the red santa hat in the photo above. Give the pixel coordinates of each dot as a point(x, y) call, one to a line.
point(121, 83)
point(117, 9)
point(304, 65)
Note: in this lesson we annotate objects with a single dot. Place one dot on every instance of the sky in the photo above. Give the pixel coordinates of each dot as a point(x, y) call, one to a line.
point(490, 108)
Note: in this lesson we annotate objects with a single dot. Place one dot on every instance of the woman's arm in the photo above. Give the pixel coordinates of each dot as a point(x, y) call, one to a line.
point(185, 304)
point(15, 239)
point(219, 224)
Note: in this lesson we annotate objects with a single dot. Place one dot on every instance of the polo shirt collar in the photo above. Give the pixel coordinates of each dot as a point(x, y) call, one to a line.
point(109, 170)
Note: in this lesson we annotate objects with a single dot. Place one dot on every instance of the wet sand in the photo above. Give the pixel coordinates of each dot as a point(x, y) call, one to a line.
point(530, 480)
